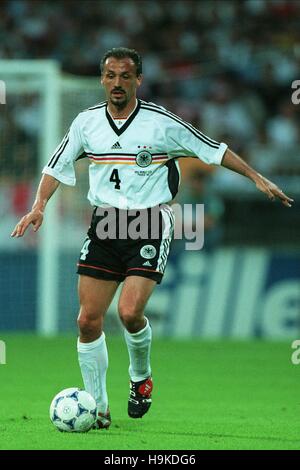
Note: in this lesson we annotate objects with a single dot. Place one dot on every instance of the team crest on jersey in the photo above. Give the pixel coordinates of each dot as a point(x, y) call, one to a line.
point(148, 252)
point(143, 158)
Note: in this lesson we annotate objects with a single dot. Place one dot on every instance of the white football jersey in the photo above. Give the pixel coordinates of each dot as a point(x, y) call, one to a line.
point(132, 166)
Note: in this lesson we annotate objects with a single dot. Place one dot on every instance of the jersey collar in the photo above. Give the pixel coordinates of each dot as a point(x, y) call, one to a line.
point(123, 128)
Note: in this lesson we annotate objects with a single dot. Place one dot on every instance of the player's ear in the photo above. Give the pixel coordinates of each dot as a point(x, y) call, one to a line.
point(139, 80)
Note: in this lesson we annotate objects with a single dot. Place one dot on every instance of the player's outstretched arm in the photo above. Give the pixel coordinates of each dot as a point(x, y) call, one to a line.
point(47, 187)
point(235, 163)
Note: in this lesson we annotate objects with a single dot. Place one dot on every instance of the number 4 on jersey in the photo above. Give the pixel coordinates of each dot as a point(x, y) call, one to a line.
point(114, 178)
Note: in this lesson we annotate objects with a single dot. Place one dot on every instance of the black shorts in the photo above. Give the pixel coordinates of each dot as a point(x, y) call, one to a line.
point(111, 255)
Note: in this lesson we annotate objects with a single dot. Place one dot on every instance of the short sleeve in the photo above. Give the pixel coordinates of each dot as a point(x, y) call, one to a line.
point(61, 163)
point(184, 140)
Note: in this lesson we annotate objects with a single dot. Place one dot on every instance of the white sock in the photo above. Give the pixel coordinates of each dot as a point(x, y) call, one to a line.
point(93, 361)
point(139, 345)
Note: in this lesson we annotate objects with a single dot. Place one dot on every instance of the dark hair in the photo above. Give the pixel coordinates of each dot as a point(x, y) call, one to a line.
point(123, 53)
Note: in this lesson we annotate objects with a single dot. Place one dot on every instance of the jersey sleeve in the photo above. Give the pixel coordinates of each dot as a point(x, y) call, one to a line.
point(61, 163)
point(184, 140)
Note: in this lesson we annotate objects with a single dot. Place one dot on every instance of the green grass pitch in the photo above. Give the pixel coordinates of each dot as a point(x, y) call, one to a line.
point(207, 395)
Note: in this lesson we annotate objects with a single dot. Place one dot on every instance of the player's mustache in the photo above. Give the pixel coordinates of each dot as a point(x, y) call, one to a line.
point(118, 89)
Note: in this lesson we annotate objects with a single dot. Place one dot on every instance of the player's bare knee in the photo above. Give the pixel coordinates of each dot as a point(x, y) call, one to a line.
point(89, 327)
point(132, 317)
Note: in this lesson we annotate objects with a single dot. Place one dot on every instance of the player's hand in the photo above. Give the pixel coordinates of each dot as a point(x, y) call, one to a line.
point(34, 217)
point(272, 191)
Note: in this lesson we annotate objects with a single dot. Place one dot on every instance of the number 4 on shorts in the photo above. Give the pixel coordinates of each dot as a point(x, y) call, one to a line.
point(85, 249)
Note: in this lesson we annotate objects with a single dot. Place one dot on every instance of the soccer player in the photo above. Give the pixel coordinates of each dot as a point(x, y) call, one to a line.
point(133, 147)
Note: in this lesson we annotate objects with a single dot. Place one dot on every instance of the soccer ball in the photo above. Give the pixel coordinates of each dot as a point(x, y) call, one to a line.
point(73, 410)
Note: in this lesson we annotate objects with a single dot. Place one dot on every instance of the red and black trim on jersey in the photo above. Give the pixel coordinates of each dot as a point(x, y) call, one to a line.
point(124, 158)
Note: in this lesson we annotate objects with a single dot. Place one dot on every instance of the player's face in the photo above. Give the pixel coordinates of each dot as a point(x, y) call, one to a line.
point(120, 81)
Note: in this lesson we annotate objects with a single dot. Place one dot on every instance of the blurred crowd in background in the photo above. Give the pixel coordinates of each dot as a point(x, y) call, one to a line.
point(226, 66)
